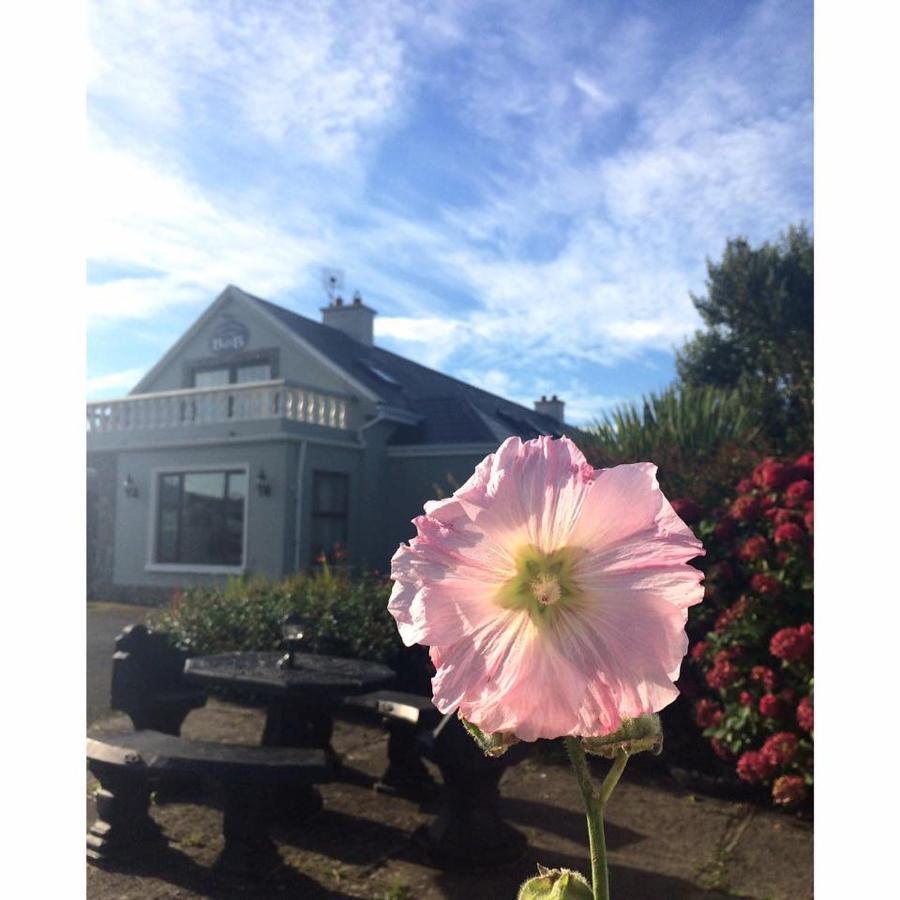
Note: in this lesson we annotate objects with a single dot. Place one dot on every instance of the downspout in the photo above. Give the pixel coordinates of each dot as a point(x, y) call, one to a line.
point(298, 504)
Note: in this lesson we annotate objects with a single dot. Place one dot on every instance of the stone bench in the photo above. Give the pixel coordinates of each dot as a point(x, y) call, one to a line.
point(129, 765)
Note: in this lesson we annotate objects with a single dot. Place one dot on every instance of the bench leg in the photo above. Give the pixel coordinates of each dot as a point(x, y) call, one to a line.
point(123, 826)
point(406, 774)
point(249, 851)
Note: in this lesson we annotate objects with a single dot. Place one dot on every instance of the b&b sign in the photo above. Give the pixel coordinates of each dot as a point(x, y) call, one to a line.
point(231, 335)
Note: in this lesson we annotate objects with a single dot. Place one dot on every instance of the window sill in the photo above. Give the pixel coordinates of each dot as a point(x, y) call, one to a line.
point(195, 568)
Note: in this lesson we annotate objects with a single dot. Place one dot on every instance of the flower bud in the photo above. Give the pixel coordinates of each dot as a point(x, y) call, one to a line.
point(556, 884)
point(495, 744)
point(635, 735)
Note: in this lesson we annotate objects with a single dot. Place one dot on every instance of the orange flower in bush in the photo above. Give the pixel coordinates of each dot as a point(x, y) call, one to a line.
point(789, 790)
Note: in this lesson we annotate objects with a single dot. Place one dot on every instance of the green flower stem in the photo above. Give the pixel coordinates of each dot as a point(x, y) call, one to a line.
point(594, 804)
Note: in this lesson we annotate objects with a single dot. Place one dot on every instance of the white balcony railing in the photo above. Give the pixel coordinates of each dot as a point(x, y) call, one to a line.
point(230, 403)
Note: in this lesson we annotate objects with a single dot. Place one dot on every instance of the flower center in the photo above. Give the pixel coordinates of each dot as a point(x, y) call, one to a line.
point(546, 589)
point(543, 583)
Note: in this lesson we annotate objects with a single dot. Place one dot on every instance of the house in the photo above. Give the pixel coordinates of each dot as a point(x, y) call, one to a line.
point(263, 439)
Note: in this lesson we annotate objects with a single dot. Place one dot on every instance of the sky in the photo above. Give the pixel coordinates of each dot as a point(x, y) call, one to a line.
point(526, 192)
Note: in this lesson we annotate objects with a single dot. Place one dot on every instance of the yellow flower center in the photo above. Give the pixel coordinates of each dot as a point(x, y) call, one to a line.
point(543, 583)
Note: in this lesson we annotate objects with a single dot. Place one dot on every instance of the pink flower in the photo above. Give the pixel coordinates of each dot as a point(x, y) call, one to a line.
point(746, 698)
point(698, 650)
point(789, 790)
point(722, 674)
point(744, 486)
point(553, 596)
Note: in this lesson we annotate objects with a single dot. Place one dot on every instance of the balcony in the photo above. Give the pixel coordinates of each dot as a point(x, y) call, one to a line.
point(228, 404)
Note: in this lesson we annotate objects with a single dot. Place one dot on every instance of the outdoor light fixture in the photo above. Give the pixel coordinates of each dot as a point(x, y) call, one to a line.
point(129, 486)
point(263, 488)
point(293, 630)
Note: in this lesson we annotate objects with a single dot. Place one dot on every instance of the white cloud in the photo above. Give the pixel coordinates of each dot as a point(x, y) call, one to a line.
point(114, 382)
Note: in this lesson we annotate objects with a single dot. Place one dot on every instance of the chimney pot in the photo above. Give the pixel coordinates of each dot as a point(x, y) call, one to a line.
point(354, 319)
point(554, 407)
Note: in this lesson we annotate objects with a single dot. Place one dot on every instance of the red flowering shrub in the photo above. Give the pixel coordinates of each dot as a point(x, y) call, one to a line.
point(687, 509)
point(752, 639)
point(805, 714)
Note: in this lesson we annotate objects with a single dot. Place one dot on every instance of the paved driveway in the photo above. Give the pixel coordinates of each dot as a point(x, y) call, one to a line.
point(104, 622)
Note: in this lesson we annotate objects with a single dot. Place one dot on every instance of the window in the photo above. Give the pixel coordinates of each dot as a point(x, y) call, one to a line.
point(234, 374)
point(201, 517)
point(330, 495)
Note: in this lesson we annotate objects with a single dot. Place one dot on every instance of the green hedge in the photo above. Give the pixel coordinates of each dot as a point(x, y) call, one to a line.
point(348, 613)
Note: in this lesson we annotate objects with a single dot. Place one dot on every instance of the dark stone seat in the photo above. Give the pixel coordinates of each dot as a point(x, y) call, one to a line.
point(148, 681)
point(129, 765)
point(406, 716)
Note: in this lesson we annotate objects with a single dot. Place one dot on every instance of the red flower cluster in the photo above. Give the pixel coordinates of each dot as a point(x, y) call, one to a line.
point(767, 585)
point(798, 493)
point(707, 713)
point(733, 613)
point(789, 533)
point(779, 749)
point(689, 511)
point(772, 475)
point(754, 767)
point(789, 790)
point(746, 508)
point(754, 548)
point(759, 591)
point(805, 714)
point(764, 676)
point(722, 674)
point(791, 644)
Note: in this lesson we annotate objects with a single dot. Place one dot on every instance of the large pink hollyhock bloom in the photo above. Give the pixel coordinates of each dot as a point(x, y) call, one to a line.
point(553, 595)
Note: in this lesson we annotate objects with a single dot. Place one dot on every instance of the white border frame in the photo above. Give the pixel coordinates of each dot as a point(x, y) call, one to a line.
point(197, 568)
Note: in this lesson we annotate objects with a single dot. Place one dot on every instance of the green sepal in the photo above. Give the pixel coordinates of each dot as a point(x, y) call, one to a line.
point(635, 735)
point(495, 744)
point(556, 884)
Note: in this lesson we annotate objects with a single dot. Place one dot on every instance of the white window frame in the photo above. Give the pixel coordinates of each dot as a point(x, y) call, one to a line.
point(197, 568)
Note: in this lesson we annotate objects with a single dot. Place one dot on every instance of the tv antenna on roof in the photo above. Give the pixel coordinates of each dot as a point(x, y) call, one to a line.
point(333, 282)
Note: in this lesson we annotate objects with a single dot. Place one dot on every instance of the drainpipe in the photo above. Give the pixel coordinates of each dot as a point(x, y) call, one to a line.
point(298, 504)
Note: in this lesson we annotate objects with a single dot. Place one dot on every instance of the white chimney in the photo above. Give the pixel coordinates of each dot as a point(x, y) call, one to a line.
point(554, 407)
point(354, 319)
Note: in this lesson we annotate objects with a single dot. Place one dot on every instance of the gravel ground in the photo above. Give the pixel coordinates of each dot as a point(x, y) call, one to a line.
point(664, 841)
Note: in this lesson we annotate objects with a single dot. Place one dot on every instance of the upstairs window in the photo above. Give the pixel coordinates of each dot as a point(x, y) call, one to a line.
point(330, 503)
point(234, 374)
point(201, 517)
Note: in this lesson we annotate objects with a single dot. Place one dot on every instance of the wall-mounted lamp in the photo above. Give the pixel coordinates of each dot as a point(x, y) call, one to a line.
point(129, 486)
point(263, 488)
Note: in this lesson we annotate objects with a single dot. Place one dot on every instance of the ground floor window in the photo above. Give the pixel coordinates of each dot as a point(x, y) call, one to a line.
point(330, 497)
point(201, 517)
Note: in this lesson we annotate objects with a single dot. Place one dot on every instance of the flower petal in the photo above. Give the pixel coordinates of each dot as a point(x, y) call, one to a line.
point(528, 493)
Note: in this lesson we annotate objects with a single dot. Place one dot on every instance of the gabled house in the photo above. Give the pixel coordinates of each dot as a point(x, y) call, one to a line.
point(263, 439)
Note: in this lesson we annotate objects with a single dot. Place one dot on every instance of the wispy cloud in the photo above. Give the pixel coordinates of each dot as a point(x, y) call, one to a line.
point(113, 383)
point(531, 188)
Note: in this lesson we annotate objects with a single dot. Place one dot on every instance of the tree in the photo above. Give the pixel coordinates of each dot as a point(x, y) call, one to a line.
point(758, 310)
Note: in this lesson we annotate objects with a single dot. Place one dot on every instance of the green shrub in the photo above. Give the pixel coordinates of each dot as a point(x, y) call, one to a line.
point(701, 439)
point(348, 613)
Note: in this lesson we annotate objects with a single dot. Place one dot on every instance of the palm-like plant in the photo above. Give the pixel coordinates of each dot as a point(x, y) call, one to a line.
point(698, 436)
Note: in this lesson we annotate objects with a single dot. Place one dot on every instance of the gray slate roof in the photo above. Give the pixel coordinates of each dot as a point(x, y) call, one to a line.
point(449, 411)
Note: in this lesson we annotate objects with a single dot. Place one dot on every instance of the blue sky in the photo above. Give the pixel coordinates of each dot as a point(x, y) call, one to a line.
point(525, 191)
